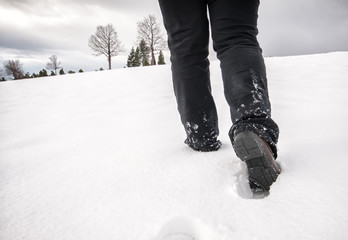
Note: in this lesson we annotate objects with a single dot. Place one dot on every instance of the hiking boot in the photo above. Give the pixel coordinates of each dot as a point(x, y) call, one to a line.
point(258, 156)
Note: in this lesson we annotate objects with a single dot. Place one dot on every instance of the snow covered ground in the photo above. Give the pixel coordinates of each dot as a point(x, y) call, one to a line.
point(100, 155)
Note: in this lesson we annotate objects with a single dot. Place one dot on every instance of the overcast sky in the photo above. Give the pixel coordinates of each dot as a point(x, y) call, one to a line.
point(33, 30)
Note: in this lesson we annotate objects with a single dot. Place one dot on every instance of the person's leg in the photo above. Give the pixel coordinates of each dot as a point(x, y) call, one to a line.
point(234, 30)
point(188, 37)
point(254, 134)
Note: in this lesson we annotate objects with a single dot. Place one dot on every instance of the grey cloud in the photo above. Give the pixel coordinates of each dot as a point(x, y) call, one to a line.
point(12, 39)
point(37, 40)
point(301, 27)
point(43, 7)
point(36, 7)
point(14, 3)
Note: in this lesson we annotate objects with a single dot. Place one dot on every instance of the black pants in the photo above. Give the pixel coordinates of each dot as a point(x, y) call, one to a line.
point(234, 29)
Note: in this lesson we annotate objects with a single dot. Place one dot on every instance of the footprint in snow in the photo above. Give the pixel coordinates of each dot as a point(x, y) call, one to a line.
point(185, 228)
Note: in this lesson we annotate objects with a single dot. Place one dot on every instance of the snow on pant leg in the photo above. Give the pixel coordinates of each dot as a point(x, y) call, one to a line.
point(234, 31)
point(188, 37)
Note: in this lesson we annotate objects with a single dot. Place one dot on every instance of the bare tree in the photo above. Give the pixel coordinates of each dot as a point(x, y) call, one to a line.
point(105, 42)
point(1, 75)
point(14, 68)
point(150, 31)
point(53, 64)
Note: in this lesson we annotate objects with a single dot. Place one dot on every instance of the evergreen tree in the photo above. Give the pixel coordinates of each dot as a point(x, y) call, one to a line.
point(161, 58)
point(61, 71)
point(27, 75)
point(80, 71)
point(71, 72)
point(34, 75)
point(137, 58)
point(144, 53)
point(43, 73)
point(53, 73)
point(131, 58)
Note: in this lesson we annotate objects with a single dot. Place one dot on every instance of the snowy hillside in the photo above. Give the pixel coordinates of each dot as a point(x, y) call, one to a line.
point(100, 155)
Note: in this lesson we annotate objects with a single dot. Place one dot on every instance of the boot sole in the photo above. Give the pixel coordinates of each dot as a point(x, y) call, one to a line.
point(255, 152)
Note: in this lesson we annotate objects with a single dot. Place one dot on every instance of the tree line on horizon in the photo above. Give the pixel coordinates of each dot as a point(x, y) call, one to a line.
point(15, 69)
point(104, 42)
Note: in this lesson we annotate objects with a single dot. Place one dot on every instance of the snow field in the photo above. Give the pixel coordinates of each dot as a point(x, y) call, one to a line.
point(100, 155)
